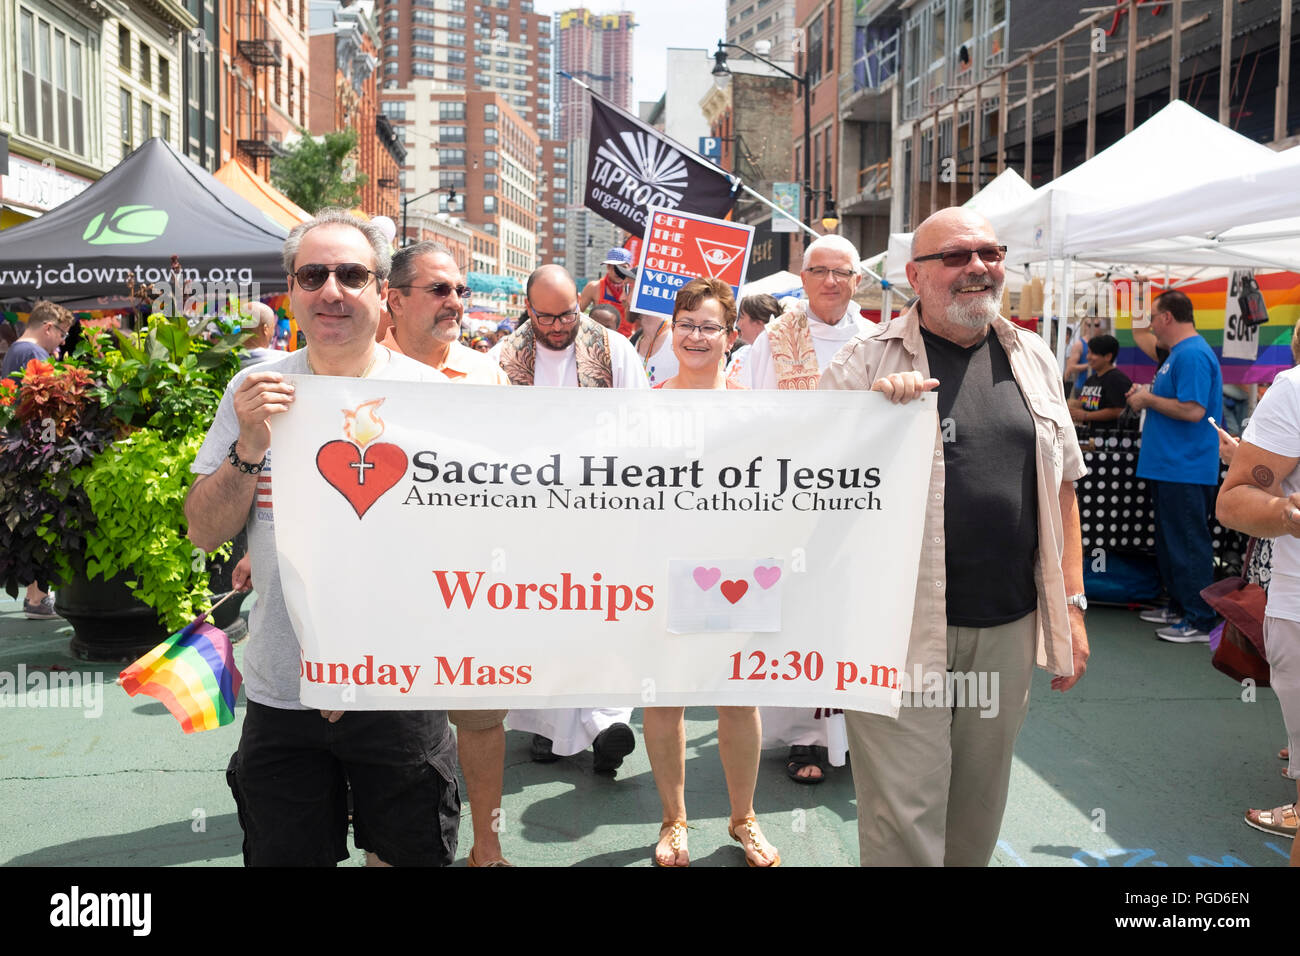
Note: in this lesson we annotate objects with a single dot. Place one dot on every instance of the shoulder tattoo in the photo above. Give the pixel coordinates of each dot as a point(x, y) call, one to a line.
point(1263, 476)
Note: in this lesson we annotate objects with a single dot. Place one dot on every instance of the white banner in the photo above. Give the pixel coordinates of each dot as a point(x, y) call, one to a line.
point(466, 546)
point(1240, 338)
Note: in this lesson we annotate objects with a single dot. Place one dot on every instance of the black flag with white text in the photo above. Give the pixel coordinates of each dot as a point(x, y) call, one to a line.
point(632, 166)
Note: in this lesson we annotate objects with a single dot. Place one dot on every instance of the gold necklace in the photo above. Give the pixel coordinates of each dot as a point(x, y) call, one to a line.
point(374, 357)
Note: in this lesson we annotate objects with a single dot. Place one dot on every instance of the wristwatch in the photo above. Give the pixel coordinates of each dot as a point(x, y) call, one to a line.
point(242, 466)
point(1078, 600)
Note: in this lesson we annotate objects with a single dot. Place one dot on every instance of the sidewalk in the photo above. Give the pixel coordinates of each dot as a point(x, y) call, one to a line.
point(1150, 761)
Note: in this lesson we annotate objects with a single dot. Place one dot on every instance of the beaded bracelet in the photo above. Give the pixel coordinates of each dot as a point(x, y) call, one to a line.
point(244, 467)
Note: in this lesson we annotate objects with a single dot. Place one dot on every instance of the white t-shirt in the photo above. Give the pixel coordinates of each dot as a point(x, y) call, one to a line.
point(662, 365)
point(272, 659)
point(759, 371)
point(561, 368)
point(1275, 427)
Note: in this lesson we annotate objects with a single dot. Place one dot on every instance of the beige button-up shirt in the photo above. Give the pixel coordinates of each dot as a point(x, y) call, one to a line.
point(897, 346)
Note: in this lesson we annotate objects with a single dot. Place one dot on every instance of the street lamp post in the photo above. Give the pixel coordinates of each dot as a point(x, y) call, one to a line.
point(451, 198)
point(721, 74)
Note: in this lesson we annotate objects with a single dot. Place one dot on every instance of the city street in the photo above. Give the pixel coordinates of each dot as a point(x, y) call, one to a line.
point(1150, 761)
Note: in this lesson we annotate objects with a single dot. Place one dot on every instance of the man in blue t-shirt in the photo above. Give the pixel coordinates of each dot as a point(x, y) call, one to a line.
point(1180, 458)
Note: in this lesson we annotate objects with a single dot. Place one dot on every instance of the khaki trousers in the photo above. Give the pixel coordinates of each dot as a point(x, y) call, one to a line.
point(932, 785)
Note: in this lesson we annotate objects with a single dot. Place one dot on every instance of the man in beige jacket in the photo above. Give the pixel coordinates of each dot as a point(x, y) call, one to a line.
point(1000, 581)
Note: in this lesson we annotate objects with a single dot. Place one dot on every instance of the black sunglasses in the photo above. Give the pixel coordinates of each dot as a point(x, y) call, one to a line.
point(352, 275)
point(441, 289)
point(955, 258)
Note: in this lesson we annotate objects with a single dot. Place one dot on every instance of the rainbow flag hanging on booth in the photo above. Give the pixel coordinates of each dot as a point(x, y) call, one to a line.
point(193, 673)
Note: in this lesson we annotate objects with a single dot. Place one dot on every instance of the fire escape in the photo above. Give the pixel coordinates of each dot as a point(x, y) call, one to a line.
point(261, 52)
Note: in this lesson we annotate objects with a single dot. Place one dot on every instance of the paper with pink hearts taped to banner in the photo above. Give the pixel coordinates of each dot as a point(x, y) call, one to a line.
point(724, 595)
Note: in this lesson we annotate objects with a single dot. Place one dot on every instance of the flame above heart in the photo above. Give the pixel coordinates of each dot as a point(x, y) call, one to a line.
point(362, 425)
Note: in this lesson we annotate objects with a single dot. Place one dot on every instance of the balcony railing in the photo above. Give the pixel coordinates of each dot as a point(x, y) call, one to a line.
point(875, 64)
point(254, 41)
point(257, 143)
point(874, 180)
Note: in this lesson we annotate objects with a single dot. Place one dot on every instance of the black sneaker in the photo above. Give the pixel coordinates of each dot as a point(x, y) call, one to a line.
point(540, 750)
point(610, 747)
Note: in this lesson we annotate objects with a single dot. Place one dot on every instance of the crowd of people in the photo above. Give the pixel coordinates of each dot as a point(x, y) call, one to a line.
point(1000, 585)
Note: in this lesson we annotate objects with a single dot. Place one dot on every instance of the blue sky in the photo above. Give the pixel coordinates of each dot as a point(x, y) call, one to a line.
point(660, 24)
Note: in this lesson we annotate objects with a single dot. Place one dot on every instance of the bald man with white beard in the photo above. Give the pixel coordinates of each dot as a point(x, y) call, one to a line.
point(1000, 580)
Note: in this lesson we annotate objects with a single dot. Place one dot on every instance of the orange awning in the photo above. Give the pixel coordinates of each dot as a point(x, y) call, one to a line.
point(261, 194)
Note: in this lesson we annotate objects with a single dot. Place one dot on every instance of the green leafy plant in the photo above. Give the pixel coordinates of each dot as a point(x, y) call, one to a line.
point(311, 172)
point(95, 456)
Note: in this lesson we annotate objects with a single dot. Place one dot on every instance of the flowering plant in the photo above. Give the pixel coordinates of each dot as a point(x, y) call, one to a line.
point(94, 461)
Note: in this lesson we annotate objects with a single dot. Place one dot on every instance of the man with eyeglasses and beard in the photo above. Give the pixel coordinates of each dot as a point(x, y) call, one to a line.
point(290, 775)
point(1000, 580)
point(560, 346)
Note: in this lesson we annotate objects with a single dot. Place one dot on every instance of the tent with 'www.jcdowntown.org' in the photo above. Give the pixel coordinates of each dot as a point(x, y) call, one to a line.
point(153, 205)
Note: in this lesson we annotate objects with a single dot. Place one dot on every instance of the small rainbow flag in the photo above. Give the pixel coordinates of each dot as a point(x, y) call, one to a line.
point(193, 673)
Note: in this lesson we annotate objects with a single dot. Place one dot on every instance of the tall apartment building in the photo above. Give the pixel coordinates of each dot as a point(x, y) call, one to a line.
point(498, 45)
point(597, 49)
point(477, 145)
point(750, 22)
point(552, 225)
point(344, 85)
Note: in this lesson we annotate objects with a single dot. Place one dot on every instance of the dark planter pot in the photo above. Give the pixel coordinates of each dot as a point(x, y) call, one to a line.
point(109, 624)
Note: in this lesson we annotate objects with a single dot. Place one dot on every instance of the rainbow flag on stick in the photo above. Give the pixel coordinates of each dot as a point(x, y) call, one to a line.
point(193, 673)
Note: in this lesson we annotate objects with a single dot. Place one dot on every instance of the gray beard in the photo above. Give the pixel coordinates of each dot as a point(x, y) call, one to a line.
point(976, 314)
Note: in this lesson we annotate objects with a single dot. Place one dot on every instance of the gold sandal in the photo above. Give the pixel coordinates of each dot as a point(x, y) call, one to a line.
point(677, 842)
point(499, 861)
point(750, 826)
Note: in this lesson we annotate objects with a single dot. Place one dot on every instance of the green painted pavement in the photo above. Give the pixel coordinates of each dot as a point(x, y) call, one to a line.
point(1151, 760)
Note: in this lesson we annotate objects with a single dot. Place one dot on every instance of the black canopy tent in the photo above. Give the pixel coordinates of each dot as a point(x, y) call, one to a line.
point(153, 205)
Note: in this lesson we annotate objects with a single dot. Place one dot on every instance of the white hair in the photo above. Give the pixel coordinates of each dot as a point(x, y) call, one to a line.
point(837, 243)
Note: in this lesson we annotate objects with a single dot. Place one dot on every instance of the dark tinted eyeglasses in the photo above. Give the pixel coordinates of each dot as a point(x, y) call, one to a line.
point(440, 289)
point(351, 275)
point(956, 258)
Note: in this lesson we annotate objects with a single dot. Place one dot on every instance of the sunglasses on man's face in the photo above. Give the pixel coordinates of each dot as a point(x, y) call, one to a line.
point(351, 275)
point(956, 258)
point(440, 289)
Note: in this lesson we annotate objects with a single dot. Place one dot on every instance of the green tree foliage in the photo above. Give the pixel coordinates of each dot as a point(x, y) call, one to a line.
point(311, 172)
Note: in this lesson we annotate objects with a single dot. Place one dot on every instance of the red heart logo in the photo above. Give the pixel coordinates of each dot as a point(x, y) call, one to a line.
point(361, 476)
point(733, 591)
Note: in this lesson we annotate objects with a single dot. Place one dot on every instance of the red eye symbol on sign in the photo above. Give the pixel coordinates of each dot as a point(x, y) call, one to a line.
point(718, 256)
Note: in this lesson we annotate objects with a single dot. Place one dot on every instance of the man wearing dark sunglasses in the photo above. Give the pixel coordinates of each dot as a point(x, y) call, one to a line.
point(426, 298)
point(291, 773)
point(1000, 581)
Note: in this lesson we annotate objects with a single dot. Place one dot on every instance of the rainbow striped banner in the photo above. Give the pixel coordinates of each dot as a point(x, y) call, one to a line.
point(193, 673)
point(1281, 292)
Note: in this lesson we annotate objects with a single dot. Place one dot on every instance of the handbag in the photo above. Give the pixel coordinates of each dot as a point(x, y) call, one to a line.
point(1240, 653)
point(1251, 302)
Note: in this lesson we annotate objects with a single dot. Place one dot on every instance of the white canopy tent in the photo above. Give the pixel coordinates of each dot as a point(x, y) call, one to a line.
point(1250, 211)
point(1095, 206)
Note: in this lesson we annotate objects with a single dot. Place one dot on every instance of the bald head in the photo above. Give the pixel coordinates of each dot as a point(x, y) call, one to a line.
point(550, 278)
point(942, 224)
point(552, 294)
point(965, 292)
point(261, 322)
